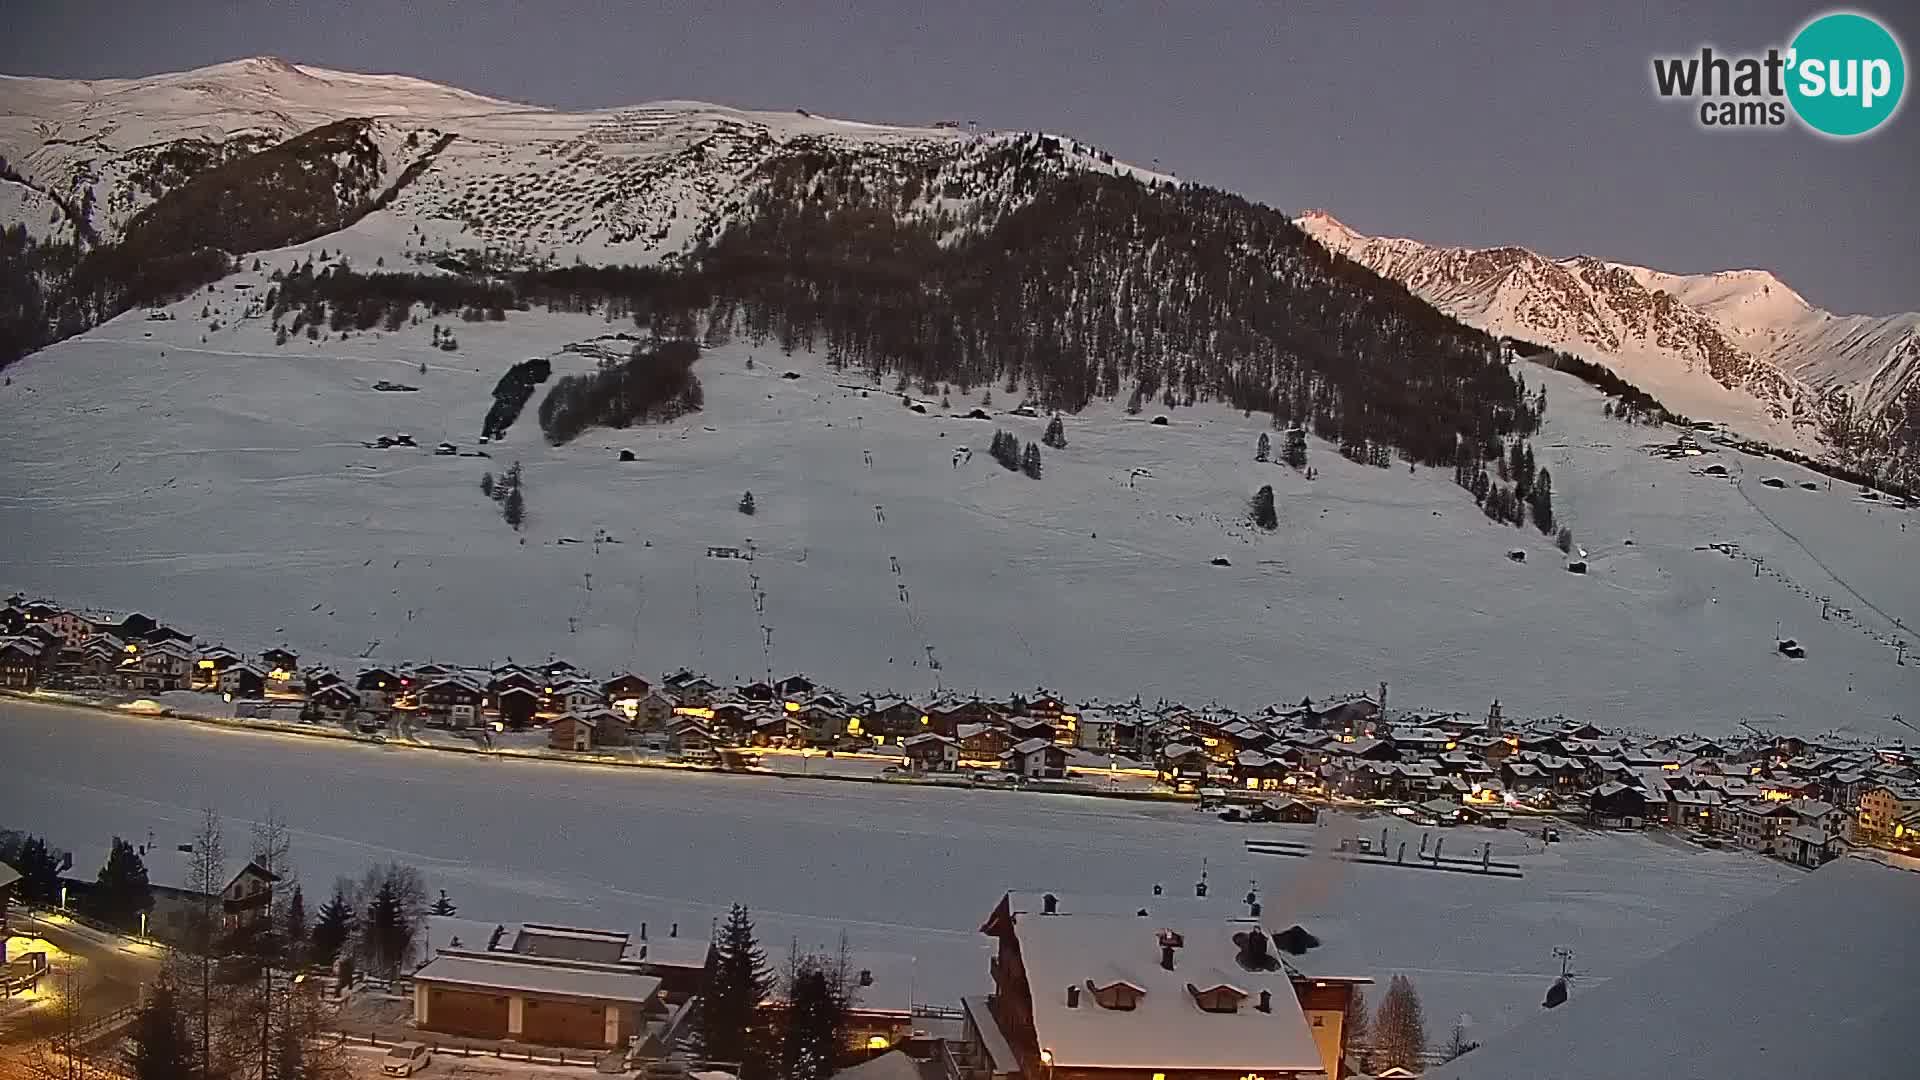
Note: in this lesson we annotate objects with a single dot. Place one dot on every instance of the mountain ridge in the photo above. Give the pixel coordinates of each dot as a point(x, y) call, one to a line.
point(1753, 333)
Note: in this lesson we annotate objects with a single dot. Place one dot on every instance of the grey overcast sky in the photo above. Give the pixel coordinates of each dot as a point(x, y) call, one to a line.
point(1473, 123)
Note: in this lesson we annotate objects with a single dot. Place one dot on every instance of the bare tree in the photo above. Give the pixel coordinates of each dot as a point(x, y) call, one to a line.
point(1400, 1027)
point(207, 880)
point(1457, 1042)
point(1356, 1029)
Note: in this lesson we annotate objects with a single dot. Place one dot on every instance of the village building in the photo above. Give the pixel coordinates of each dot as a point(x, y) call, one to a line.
point(625, 687)
point(449, 702)
point(333, 703)
point(982, 742)
point(1088, 989)
point(1618, 805)
point(932, 752)
point(1035, 758)
point(155, 668)
point(893, 717)
point(1883, 805)
point(242, 680)
point(23, 662)
point(179, 907)
point(517, 706)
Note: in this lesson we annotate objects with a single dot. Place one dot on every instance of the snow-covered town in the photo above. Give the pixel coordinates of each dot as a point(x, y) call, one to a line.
point(1788, 795)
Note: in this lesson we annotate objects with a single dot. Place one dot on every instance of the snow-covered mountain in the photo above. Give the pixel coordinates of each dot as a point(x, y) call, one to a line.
point(1740, 346)
point(627, 184)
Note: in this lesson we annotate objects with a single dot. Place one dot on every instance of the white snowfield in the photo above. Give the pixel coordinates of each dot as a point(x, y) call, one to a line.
point(225, 486)
point(912, 871)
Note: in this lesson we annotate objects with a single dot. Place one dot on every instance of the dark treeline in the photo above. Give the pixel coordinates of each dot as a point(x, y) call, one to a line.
point(511, 394)
point(655, 384)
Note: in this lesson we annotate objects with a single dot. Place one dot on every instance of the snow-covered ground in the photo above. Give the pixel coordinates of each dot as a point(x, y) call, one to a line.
point(223, 485)
point(911, 870)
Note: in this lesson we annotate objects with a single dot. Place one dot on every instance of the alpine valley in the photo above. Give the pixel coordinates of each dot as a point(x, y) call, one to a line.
point(688, 330)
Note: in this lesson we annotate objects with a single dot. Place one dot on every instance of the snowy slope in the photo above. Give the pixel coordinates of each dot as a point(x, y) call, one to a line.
point(223, 483)
point(1739, 347)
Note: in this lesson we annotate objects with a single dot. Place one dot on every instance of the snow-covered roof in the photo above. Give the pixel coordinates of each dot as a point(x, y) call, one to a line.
point(1839, 997)
point(497, 972)
point(1167, 1029)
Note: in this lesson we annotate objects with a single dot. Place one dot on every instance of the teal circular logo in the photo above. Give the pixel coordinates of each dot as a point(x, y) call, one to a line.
point(1847, 74)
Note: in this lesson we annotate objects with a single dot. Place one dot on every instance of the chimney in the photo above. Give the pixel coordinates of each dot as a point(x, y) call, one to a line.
point(1157, 890)
point(674, 930)
point(1254, 909)
point(643, 931)
point(1266, 1001)
point(866, 976)
point(1073, 997)
point(1049, 905)
point(1166, 957)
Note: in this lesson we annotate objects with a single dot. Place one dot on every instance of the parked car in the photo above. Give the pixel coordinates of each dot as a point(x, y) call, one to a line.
point(406, 1058)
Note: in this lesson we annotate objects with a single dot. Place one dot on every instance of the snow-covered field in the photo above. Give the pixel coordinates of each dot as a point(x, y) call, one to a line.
point(902, 871)
point(224, 486)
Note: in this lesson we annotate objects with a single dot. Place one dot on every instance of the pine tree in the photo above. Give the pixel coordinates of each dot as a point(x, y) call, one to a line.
point(121, 893)
point(815, 1019)
point(1262, 509)
point(1030, 461)
point(486, 484)
point(746, 504)
point(39, 873)
point(386, 930)
point(1264, 450)
point(1296, 447)
point(736, 983)
point(296, 927)
point(1543, 502)
point(332, 928)
point(158, 1045)
point(443, 906)
point(514, 508)
point(1400, 1027)
point(1564, 540)
point(1056, 435)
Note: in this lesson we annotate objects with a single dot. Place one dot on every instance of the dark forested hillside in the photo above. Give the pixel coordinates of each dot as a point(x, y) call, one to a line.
point(228, 204)
point(1099, 287)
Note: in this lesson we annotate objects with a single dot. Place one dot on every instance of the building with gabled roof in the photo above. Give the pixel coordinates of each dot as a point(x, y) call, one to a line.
point(1085, 988)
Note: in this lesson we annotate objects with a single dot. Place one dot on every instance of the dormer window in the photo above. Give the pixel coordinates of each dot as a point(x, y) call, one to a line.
point(1119, 995)
point(1220, 998)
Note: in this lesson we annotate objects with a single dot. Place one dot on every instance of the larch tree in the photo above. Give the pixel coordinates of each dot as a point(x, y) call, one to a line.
point(1399, 1027)
point(1356, 1030)
point(207, 882)
point(1264, 449)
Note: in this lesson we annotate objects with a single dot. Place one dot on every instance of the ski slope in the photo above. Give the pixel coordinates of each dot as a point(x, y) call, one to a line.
point(223, 485)
point(910, 870)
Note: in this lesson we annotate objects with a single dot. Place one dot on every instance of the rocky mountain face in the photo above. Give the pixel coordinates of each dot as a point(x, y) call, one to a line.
point(1739, 347)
